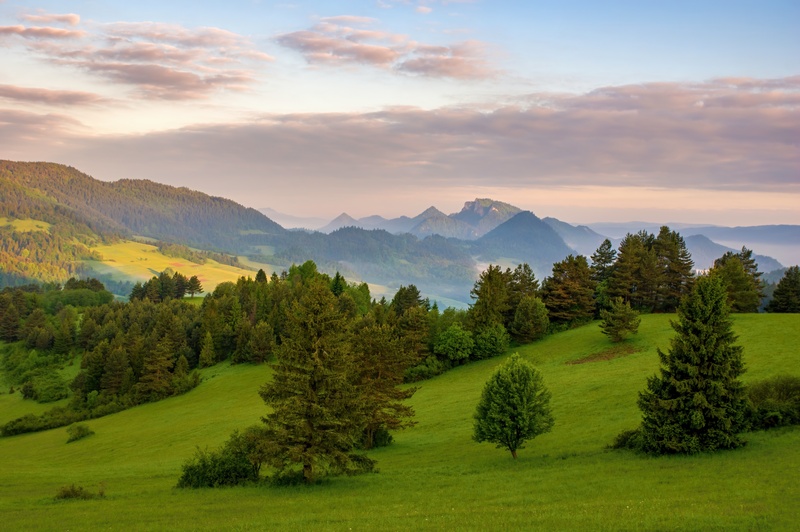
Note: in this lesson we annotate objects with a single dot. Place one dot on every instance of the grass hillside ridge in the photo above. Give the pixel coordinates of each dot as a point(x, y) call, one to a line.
point(434, 476)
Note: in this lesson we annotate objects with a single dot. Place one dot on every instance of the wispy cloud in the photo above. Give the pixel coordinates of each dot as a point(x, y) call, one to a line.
point(352, 40)
point(653, 135)
point(41, 32)
point(48, 96)
point(160, 61)
point(42, 17)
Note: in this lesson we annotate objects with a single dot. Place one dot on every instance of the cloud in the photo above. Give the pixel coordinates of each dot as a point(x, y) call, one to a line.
point(159, 61)
point(48, 96)
point(424, 9)
point(743, 138)
point(41, 32)
point(49, 18)
point(337, 41)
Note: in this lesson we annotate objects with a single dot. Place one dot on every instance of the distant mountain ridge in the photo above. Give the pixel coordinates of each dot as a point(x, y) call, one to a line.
point(474, 220)
point(442, 254)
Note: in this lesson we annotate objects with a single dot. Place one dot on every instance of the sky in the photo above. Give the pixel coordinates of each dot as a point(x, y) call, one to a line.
point(587, 111)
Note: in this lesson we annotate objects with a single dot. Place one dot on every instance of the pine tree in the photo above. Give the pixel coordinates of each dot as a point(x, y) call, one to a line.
point(697, 403)
point(193, 286)
point(676, 266)
point(620, 320)
point(492, 298)
point(786, 297)
point(316, 419)
point(207, 354)
point(514, 406)
point(603, 261)
point(380, 363)
point(568, 293)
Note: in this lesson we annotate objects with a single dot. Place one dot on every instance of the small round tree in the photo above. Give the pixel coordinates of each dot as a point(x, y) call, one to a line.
point(514, 406)
point(620, 320)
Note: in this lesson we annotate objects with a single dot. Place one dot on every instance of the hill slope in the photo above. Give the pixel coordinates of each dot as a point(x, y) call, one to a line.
point(141, 207)
point(433, 476)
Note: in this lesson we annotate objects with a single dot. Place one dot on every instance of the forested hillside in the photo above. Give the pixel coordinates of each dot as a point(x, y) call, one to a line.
point(140, 206)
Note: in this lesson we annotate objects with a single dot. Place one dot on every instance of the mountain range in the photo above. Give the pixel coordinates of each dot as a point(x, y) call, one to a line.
point(442, 254)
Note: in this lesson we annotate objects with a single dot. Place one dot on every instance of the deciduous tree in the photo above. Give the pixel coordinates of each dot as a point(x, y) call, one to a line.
point(514, 406)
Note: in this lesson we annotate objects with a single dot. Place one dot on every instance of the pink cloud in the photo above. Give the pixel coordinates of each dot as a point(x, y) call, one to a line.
point(48, 96)
point(41, 32)
point(48, 18)
point(160, 61)
point(332, 41)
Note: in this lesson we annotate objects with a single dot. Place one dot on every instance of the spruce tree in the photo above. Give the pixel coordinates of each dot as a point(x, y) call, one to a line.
point(316, 419)
point(697, 403)
point(620, 320)
point(786, 297)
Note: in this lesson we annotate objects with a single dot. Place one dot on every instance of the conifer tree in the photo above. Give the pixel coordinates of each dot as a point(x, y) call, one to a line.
point(676, 265)
point(786, 297)
point(380, 363)
point(697, 403)
point(620, 320)
point(568, 293)
point(316, 419)
point(207, 355)
point(514, 406)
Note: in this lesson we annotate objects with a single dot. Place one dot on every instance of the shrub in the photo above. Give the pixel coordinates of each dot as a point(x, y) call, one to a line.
point(629, 439)
point(491, 341)
point(78, 432)
point(774, 402)
point(78, 492)
point(430, 367)
point(211, 469)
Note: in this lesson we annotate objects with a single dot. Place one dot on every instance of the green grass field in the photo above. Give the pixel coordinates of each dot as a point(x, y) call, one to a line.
point(26, 225)
point(433, 476)
point(137, 261)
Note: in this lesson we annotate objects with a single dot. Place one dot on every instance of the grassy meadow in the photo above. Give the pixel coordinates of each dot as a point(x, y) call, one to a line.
point(137, 261)
point(433, 476)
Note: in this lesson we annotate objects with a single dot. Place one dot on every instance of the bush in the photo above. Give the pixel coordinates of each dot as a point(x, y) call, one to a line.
point(211, 469)
point(239, 460)
point(78, 492)
point(78, 432)
point(630, 439)
point(491, 341)
point(774, 402)
point(429, 368)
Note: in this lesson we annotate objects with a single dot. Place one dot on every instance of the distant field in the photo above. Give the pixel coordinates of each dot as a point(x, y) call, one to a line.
point(136, 261)
point(25, 226)
point(433, 476)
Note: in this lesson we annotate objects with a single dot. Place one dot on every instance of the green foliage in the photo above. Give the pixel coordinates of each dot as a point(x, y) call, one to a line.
point(739, 273)
point(238, 461)
point(620, 320)
point(697, 403)
point(568, 293)
point(454, 344)
point(514, 406)
point(316, 418)
point(652, 273)
point(491, 341)
point(774, 402)
point(78, 492)
point(786, 297)
point(531, 320)
point(78, 432)
point(428, 368)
